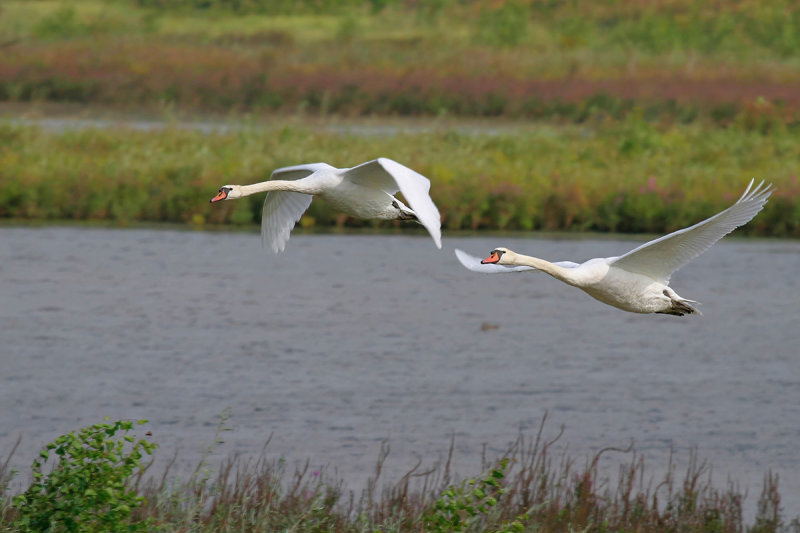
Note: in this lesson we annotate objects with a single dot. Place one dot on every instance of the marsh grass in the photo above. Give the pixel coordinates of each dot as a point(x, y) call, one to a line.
point(6, 475)
point(534, 486)
point(540, 60)
point(632, 176)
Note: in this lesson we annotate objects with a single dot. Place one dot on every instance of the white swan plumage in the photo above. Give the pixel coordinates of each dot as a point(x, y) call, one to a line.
point(364, 191)
point(637, 281)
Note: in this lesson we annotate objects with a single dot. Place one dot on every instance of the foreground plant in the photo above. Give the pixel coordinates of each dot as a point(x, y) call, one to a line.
point(96, 486)
point(468, 507)
point(88, 489)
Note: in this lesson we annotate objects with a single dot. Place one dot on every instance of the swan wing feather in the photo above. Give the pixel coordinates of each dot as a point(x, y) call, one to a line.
point(474, 263)
point(390, 177)
point(661, 257)
point(297, 172)
point(282, 209)
point(567, 264)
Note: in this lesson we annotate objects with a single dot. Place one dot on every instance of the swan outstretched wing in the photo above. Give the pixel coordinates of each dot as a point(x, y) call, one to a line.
point(282, 209)
point(474, 263)
point(297, 172)
point(390, 177)
point(661, 257)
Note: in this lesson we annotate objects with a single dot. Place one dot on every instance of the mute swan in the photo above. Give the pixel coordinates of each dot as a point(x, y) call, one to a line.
point(365, 191)
point(637, 281)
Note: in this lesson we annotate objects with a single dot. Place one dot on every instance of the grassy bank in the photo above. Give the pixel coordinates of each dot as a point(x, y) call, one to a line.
point(99, 481)
point(542, 60)
point(631, 176)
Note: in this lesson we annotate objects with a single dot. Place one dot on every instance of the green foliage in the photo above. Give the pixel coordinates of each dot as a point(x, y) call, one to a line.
point(71, 20)
point(503, 26)
point(469, 506)
point(525, 491)
point(61, 23)
point(349, 29)
point(88, 488)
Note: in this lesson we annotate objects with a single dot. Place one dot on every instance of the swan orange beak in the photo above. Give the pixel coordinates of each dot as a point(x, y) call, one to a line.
point(493, 258)
point(221, 195)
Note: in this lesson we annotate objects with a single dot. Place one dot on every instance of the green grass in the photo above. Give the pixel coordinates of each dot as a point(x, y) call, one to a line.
point(531, 487)
point(621, 177)
point(737, 31)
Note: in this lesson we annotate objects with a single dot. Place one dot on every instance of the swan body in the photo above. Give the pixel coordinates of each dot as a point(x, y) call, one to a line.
point(637, 281)
point(365, 191)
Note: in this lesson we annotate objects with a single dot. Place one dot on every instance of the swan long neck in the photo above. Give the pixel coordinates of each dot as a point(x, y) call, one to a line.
point(564, 274)
point(277, 185)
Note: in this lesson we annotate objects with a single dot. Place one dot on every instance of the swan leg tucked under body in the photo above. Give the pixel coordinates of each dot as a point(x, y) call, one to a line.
point(639, 280)
point(365, 191)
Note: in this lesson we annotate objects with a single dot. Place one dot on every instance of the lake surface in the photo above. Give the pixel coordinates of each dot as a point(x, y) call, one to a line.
point(346, 340)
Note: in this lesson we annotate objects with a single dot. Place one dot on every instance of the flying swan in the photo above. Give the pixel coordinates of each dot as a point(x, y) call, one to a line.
point(639, 280)
point(365, 191)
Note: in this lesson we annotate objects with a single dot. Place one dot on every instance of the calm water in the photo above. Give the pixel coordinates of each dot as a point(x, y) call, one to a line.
point(344, 341)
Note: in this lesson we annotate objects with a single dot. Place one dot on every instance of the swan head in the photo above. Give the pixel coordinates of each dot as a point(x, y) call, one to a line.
point(499, 256)
point(228, 192)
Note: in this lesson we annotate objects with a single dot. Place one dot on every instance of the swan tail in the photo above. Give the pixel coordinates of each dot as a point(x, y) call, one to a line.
point(404, 212)
point(680, 306)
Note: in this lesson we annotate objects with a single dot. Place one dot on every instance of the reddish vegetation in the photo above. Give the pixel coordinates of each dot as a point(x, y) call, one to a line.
point(219, 78)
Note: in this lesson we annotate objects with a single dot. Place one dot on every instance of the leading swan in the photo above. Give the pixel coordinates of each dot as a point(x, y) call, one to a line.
point(364, 191)
point(639, 280)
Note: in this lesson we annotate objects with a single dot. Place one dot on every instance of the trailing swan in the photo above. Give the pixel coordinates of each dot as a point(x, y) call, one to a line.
point(639, 280)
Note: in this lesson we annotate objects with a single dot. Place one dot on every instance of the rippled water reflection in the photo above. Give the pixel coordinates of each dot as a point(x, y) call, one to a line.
point(344, 341)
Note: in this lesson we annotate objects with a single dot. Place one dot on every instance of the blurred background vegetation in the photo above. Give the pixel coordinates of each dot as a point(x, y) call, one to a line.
point(626, 115)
